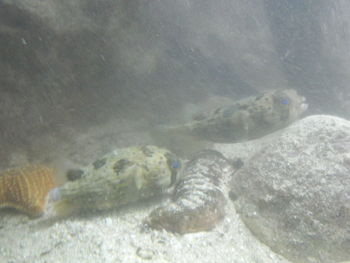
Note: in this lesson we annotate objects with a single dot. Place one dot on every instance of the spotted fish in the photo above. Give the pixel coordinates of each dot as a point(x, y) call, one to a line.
point(245, 119)
point(121, 177)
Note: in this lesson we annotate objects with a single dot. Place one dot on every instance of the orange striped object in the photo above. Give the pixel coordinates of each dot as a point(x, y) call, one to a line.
point(26, 188)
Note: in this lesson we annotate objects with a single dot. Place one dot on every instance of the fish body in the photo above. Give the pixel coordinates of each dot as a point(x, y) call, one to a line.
point(121, 177)
point(245, 119)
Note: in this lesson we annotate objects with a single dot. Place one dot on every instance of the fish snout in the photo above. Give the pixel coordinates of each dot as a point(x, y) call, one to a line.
point(54, 195)
point(303, 105)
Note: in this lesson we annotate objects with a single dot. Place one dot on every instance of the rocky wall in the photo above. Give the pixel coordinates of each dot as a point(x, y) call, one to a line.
point(78, 63)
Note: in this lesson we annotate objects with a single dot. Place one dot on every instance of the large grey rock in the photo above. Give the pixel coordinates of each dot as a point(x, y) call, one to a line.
point(294, 193)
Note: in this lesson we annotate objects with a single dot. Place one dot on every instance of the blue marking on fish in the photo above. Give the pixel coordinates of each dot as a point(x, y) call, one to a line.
point(55, 194)
point(175, 165)
point(285, 101)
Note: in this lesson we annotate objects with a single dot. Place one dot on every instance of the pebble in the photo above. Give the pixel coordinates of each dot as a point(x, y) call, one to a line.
point(145, 253)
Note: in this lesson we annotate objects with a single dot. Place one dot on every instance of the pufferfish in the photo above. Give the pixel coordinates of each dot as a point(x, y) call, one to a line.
point(246, 119)
point(121, 177)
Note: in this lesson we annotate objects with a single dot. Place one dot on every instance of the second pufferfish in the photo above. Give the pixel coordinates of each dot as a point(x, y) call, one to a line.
point(121, 177)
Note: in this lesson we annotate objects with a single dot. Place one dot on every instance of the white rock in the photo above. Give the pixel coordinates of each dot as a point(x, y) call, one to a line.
point(294, 192)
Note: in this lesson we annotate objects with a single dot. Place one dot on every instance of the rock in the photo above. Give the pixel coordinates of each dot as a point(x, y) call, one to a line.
point(145, 254)
point(198, 201)
point(294, 193)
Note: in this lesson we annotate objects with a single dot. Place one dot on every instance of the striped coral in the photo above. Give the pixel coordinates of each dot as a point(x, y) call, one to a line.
point(25, 189)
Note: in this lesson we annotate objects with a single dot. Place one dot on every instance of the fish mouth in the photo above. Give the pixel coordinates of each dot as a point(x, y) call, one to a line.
point(303, 105)
point(54, 195)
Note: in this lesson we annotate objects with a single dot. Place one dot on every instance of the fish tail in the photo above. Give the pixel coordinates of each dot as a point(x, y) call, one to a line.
point(63, 208)
point(177, 139)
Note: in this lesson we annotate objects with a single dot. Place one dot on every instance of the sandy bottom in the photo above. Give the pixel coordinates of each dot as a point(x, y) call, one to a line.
point(120, 236)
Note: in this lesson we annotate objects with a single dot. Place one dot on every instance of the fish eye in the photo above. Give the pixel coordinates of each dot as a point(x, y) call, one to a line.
point(284, 101)
point(175, 165)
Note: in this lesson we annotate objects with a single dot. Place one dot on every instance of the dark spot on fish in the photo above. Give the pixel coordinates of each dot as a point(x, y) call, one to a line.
point(120, 165)
point(243, 107)
point(233, 196)
point(346, 161)
point(74, 174)
point(99, 163)
point(251, 110)
point(145, 167)
point(237, 163)
point(146, 151)
point(198, 117)
point(259, 97)
point(212, 120)
point(174, 165)
point(217, 111)
point(229, 111)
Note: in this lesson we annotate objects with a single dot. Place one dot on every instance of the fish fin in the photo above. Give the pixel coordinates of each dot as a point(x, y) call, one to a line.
point(63, 208)
point(178, 139)
point(138, 178)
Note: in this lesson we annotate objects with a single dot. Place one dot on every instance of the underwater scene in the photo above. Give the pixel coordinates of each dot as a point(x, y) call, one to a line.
point(175, 131)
